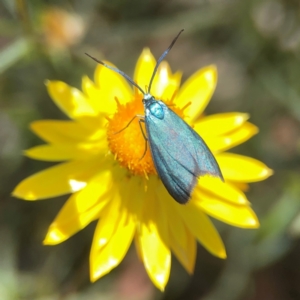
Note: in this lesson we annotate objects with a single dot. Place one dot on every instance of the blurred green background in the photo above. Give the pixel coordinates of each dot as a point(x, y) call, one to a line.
point(256, 47)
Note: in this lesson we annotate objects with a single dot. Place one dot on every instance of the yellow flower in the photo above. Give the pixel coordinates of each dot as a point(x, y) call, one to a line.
point(108, 181)
point(61, 29)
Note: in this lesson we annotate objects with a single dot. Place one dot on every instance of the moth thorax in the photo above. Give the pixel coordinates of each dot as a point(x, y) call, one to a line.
point(156, 110)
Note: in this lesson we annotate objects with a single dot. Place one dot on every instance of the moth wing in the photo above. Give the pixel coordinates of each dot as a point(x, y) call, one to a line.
point(180, 155)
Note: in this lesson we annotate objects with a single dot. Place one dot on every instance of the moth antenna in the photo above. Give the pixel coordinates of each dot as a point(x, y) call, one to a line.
point(116, 70)
point(162, 57)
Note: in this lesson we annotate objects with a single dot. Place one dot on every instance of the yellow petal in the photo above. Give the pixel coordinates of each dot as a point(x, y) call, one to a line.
point(181, 240)
point(165, 84)
point(115, 230)
point(202, 228)
point(115, 250)
point(94, 95)
point(58, 233)
point(236, 215)
point(198, 90)
point(64, 132)
point(137, 246)
point(227, 192)
point(144, 68)
point(232, 139)
point(70, 100)
point(153, 241)
point(243, 186)
point(185, 253)
point(107, 224)
point(220, 124)
point(112, 85)
point(59, 180)
point(67, 152)
point(242, 168)
point(125, 197)
point(172, 88)
point(80, 209)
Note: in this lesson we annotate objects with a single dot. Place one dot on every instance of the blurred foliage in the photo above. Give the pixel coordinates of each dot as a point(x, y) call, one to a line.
point(256, 47)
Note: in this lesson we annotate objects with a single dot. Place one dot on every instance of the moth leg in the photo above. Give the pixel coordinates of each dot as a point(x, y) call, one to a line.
point(144, 135)
point(136, 116)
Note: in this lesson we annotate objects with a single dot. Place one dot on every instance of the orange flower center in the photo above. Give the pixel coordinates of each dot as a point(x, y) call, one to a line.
point(127, 142)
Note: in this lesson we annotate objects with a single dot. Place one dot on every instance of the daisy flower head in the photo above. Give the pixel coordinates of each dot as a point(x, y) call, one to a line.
point(110, 177)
